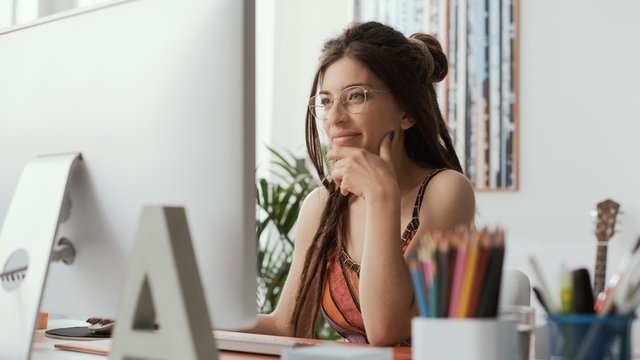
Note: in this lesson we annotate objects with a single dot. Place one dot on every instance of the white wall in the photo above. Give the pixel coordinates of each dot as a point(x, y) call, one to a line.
point(6, 13)
point(265, 51)
point(579, 123)
point(300, 28)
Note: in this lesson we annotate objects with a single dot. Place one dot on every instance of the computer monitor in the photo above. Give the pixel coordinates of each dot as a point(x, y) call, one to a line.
point(158, 97)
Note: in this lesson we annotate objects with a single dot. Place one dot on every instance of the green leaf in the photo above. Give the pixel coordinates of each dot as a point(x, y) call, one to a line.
point(282, 162)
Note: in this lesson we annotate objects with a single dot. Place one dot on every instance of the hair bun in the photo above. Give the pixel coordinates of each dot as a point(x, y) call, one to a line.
point(440, 63)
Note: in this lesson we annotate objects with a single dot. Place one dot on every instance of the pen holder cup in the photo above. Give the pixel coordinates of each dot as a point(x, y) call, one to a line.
point(590, 337)
point(478, 339)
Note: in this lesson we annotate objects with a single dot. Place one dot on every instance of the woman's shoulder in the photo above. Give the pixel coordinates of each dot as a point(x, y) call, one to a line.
point(310, 214)
point(450, 179)
point(317, 198)
point(449, 200)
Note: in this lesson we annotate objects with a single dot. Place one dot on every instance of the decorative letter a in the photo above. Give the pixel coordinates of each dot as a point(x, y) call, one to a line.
point(163, 287)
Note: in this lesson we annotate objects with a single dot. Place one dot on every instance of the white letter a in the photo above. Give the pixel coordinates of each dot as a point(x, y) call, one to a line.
point(163, 286)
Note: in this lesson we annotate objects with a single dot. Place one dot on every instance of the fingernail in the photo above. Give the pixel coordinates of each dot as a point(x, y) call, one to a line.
point(391, 135)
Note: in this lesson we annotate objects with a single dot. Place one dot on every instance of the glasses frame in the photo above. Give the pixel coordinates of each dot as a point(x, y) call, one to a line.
point(312, 107)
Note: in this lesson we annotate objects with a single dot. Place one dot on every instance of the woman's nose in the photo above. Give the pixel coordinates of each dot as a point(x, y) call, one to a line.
point(337, 114)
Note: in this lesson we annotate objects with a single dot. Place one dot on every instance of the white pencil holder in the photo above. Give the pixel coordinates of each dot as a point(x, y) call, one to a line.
point(464, 339)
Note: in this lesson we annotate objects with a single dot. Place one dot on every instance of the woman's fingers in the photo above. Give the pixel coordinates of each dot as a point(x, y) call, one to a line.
point(344, 183)
point(352, 169)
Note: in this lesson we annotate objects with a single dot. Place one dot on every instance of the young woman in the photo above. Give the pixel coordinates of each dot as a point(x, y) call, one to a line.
point(391, 173)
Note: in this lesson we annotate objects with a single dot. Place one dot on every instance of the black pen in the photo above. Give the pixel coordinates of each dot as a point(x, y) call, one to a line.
point(583, 301)
point(540, 298)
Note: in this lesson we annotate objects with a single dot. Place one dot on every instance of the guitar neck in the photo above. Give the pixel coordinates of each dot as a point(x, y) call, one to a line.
point(601, 268)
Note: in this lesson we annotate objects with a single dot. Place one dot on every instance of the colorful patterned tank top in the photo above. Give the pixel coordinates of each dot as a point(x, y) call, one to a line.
point(340, 294)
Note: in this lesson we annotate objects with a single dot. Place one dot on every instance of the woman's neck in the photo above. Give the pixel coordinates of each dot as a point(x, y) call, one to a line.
point(410, 174)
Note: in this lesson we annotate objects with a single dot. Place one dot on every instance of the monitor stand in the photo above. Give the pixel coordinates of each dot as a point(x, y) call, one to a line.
point(26, 248)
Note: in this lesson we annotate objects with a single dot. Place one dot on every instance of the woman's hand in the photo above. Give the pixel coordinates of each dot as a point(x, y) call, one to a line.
point(363, 173)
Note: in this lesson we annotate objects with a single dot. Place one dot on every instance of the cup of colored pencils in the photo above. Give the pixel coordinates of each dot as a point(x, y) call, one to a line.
point(457, 274)
point(456, 278)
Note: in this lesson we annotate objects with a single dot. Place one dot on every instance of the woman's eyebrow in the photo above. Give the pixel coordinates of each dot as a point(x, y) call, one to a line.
point(346, 86)
point(356, 84)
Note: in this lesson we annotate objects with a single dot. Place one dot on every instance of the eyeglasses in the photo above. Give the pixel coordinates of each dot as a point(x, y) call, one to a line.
point(353, 98)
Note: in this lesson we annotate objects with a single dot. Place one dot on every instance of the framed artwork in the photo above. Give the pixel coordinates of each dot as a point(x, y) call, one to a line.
point(479, 97)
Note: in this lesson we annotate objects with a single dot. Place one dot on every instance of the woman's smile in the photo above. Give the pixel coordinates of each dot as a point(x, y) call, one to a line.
point(344, 138)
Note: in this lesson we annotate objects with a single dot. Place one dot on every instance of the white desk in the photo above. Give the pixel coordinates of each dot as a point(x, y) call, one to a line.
point(43, 348)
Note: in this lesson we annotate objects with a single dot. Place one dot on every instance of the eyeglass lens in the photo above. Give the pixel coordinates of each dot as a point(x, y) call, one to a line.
point(352, 98)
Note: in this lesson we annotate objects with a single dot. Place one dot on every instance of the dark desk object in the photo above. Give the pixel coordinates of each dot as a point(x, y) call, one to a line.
point(583, 292)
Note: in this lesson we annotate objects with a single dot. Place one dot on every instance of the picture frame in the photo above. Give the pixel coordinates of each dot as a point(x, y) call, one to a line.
point(479, 96)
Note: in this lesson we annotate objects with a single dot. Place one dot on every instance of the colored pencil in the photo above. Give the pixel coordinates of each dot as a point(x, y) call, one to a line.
point(418, 287)
point(461, 243)
point(435, 275)
point(480, 275)
point(444, 271)
point(470, 269)
point(427, 271)
point(496, 281)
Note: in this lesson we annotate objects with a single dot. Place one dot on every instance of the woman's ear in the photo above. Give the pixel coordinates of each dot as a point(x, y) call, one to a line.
point(406, 122)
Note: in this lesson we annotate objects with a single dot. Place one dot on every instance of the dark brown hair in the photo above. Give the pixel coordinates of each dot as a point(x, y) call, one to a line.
point(409, 67)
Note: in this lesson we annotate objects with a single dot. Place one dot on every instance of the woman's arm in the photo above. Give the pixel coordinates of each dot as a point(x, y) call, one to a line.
point(277, 323)
point(386, 291)
point(385, 287)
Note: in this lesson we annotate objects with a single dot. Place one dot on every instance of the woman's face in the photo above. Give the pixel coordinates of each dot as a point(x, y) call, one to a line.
point(380, 115)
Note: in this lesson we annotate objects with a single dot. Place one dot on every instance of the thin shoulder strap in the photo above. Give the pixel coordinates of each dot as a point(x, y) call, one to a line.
point(423, 187)
point(415, 220)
